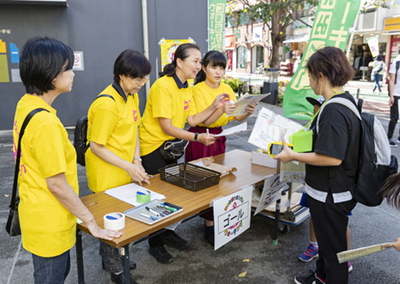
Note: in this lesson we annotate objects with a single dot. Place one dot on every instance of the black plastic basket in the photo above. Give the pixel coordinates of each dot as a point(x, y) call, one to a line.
point(189, 176)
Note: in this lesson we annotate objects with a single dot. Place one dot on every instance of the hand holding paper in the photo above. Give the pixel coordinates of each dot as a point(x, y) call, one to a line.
point(220, 100)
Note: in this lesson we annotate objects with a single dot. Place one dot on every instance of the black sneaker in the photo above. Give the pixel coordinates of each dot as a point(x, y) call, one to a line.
point(391, 143)
point(161, 254)
point(120, 279)
point(308, 279)
point(171, 238)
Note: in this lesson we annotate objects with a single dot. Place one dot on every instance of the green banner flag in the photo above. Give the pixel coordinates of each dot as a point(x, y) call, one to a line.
point(331, 28)
point(216, 24)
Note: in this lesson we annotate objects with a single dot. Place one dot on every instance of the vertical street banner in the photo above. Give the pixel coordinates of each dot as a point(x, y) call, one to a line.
point(332, 22)
point(373, 43)
point(216, 24)
point(168, 47)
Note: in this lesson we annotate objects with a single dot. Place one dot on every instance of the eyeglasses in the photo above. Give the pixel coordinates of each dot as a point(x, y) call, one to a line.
point(142, 81)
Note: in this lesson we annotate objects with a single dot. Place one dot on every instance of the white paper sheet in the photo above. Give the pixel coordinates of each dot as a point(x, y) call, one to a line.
point(271, 127)
point(127, 193)
point(242, 103)
point(233, 130)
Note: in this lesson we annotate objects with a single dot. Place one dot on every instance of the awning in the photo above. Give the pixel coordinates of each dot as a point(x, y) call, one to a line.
point(36, 2)
point(297, 39)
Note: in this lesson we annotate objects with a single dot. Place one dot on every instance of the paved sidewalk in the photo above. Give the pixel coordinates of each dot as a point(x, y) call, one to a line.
point(199, 263)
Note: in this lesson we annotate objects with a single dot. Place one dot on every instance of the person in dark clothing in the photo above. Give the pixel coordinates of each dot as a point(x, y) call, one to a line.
point(331, 166)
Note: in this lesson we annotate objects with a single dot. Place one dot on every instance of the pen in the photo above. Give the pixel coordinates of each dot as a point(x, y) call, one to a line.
point(159, 211)
point(153, 211)
point(148, 216)
point(169, 208)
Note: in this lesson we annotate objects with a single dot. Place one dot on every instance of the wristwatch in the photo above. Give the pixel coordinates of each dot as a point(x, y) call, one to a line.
point(138, 159)
point(195, 136)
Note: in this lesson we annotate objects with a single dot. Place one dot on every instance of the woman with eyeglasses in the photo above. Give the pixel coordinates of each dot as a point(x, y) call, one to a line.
point(113, 158)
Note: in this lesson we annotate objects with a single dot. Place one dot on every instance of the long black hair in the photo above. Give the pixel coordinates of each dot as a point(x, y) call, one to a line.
point(181, 52)
point(213, 57)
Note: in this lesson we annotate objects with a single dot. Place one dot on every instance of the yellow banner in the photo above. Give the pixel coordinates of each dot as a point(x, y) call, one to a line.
point(168, 47)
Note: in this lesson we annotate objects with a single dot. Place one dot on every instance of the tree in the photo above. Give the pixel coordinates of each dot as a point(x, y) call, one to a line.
point(277, 15)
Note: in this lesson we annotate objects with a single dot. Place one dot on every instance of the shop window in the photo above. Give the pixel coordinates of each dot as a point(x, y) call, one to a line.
point(259, 55)
point(243, 18)
point(229, 21)
point(242, 57)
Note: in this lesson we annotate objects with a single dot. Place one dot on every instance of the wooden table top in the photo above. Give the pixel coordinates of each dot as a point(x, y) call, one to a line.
point(192, 202)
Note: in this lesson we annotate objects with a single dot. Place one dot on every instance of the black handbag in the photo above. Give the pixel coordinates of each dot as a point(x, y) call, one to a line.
point(172, 150)
point(12, 226)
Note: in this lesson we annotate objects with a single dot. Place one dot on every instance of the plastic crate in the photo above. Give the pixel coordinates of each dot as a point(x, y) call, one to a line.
point(189, 176)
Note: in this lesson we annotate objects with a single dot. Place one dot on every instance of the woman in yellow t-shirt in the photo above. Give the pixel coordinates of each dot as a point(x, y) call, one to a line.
point(113, 158)
point(207, 88)
point(48, 180)
point(169, 105)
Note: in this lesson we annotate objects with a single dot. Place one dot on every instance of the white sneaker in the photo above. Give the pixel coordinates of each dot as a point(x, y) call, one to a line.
point(392, 144)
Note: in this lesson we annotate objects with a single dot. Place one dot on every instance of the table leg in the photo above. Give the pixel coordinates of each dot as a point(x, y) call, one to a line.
point(79, 256)
point(276, 227)
point(125, 262)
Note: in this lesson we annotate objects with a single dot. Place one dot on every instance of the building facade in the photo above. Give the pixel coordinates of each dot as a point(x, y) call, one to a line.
point(246, 41)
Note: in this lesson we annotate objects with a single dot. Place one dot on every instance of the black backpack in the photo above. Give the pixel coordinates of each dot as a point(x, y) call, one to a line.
point(80, 137)
point(375, 163)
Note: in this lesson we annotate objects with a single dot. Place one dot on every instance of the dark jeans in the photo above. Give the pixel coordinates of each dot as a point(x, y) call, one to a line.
point(394, 117)
point(330, 224)
point(51, 270)
point(151, 163)
point(378, 78)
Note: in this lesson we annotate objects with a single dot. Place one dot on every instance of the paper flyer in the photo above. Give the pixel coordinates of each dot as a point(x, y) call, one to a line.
point(271, 192)
point(233, 130)
point(242, 103)
point(271, 127)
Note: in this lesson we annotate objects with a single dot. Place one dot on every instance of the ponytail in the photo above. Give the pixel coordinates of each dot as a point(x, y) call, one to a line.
point(169, 69)
point(200, 77)
point(181, 52)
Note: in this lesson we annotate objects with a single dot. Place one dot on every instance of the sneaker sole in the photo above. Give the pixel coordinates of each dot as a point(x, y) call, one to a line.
point(297, 282)
point(393, 146)
point(303, 260)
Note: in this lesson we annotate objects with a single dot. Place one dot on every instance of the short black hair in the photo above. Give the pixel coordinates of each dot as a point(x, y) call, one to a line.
point(332, 63)
point(131, 63)
point(42, 60)
point(379, 57)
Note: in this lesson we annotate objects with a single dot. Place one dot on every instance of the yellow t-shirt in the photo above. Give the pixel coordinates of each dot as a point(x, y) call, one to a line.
point(48, 228)
point(113, 124)
point(168, 101)
point(204, 96)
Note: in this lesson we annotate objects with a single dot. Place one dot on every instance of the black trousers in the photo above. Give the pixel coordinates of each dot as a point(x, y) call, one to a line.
point(152, 163)
point(394, 117)
point(330, 224)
